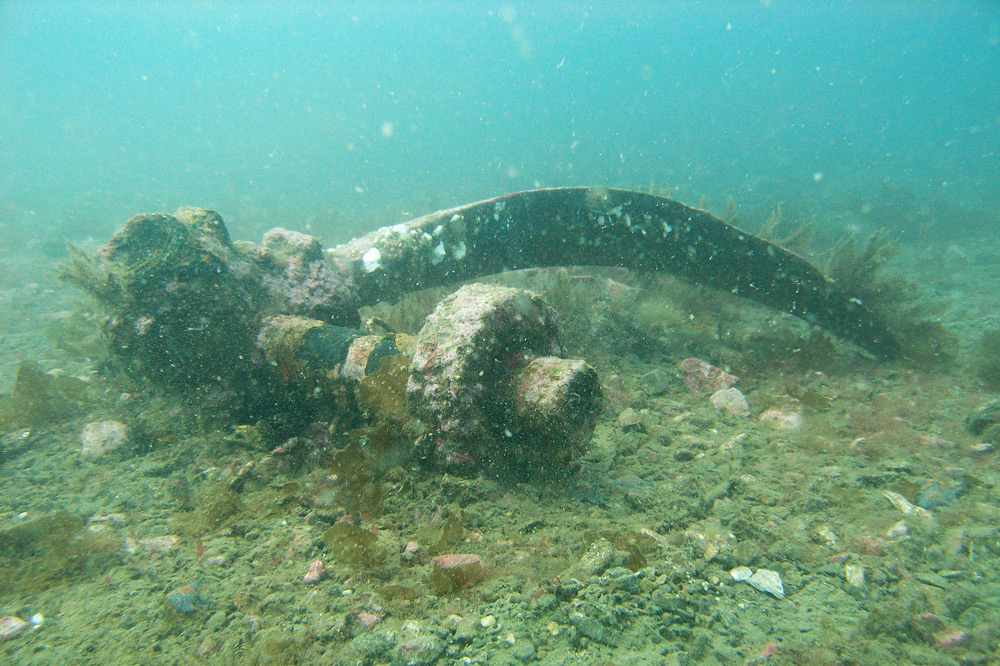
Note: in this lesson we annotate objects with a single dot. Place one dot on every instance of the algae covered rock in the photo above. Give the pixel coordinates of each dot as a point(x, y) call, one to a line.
point(182, 298)
point(101, 437)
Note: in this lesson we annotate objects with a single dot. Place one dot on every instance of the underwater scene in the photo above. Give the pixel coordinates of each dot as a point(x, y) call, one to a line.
point(500, 333)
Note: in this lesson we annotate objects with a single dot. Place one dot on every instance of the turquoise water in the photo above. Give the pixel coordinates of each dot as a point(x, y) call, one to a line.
point(186, 478)
point(339, 117)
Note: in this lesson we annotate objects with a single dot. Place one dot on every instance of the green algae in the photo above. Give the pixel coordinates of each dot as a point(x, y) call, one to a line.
point(986, 359)
point(40, 399)
point(51, 550)
point(353, 546)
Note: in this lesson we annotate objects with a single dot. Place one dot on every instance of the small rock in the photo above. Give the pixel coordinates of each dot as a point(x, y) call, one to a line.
point(112, 518)
point(781, 419)
point(315, 574)
point(985, 416)
point(288, 246)
point(906, 506)
point(599, 557)
point(700, 376)
point(160, 544)
point(368, 619)
point(11, 626)
point(953, 639)
point(854, 574)
point(899, 530)
point(628, 420)
point(209, 646)
point(592, 629)
point(731, 400)
point(101, 437)
point(741, 574)
point(450, 573)
point(524, 651)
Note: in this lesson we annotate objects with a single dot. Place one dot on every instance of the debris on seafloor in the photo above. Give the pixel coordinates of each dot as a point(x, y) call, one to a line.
point(189, 307)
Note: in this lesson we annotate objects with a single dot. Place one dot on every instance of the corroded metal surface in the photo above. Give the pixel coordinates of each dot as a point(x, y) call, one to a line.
point(583, 226)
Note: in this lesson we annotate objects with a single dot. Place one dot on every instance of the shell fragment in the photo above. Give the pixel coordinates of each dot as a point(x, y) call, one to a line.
point(768, 581)
point(764, 580)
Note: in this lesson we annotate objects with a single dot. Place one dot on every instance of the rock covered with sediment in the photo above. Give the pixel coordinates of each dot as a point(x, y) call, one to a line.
point(99, 438)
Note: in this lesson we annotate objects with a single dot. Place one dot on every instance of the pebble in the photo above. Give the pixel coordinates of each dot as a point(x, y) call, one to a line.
point(11, 626)
point(102, 437)
point(906, 506)
point(855, 575)
point(113, 518)
point(315, 574)
point(953, 639)
point(368, 619)
point(740, 574)
point(628, 420)
point(161, 544)
point(782, 420)
point(655, 382)
point(898, 530)
point(732, 400)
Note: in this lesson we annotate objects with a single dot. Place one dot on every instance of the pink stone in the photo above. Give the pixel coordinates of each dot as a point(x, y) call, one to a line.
point(782, 420)
point(412, 546)
point(450, 573)
point(700, 376)
point(315, 573)
point(731, 400)
point(368, 619)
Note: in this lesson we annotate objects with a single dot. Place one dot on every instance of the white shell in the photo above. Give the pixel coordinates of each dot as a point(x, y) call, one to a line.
point(371, 259)
point(768, 581)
